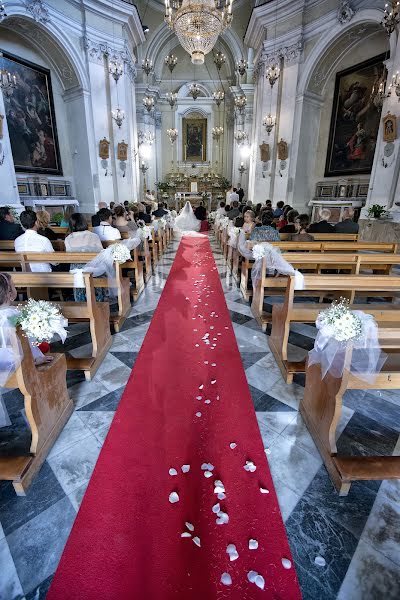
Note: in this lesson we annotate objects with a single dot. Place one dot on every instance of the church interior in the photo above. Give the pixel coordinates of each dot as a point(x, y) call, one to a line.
point(199, 299)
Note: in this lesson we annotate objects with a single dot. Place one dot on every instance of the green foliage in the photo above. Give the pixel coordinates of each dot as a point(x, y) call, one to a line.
point(57, 218)
point(376, 211)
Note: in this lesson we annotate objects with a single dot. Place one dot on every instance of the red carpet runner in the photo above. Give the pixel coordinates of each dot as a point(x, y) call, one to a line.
point(186, 403)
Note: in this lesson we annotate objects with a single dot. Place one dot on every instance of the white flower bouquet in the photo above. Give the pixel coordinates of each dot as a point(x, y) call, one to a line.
point(41, 320)
point(211, 217)
point(258, 251)
point(144, 231)
point(120, 253)
point(339, 322)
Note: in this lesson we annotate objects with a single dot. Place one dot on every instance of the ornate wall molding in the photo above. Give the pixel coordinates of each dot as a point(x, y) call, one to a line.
point(98, 50)
point(345, 13)
point(290, 54)
point(38, 11)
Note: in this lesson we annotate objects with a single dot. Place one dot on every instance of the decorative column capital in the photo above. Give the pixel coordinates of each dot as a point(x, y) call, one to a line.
point(289, 54)
point(38, 11)
point(97, 50)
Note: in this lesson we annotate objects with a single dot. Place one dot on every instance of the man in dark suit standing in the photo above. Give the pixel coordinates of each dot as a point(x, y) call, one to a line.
point(201, 213)
point(347, 225)
point(240, 193)
point(160, 212)
point(322, 226)
point(9, 229)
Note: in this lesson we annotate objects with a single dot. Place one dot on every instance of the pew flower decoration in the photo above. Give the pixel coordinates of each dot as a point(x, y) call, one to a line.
point(144, 231)
point(259, 251)
point(212, 216)
point(120, 253)
point(41, 320)
point(339, 322)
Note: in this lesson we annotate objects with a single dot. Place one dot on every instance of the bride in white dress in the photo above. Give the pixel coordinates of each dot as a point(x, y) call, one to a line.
point(186, 221)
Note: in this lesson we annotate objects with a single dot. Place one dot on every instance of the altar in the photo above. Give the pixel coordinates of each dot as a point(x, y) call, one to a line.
point(194, 198)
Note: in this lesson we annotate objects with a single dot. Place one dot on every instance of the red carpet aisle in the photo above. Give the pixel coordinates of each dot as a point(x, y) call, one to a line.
point(185, 428)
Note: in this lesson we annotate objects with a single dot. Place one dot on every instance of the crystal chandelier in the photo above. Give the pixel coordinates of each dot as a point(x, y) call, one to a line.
point(269, 123)
point(217, 132)
point(172, 134)
point(272, 75)
point(147, 66)
point(8, 82)
point(378, 95)
point(118, 115)
point(241, 66)
point(146, 137)
point(395, 85)
point(240, 103)
point(219, 97)
point(219, 60)
point(171, 61)
point(391, 16)
point(148, 103)
point(116, 69)
point(241, 137)
point(198, 24)
point(194, 91)
point(172, 99)
point(3, 13)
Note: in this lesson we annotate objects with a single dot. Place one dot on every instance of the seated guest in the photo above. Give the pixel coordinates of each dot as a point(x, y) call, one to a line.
point(238, 222)
point(234, 212)
point(96, 218)
point(31, 241)
point(160, 212)
point(105, 230)
point(121, 222)
point(221, 209)
point(265, 232)
point(301, 235)
point(227, 210)
point(43, 218)
point(9, 229)
point(148, 218)
point(201, 213)
point(66, 216)
point(290, 227)
point(347, 225)
point(279, 208)
point(322, 226)
point(249, 219)
point(258, 208)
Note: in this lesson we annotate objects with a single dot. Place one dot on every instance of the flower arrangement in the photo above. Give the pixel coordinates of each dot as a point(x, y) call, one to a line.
point(212, 216)
point(173, 214)
point(376, 211)
point(236, 230)
point(41, 320)
point(144, 231)
point(258, 252)
point(339, 322)
point(120, 253)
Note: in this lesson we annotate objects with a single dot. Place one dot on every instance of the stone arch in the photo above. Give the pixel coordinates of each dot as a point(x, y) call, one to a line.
point(183, 91)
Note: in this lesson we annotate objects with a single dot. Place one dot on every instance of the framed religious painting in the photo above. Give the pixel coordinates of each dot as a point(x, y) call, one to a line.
point(389, 128)
point(355, 119)
point(31, 119)
point(194, 139)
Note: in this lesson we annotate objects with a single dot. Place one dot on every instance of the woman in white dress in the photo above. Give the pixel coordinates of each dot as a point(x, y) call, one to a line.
point(186, 220)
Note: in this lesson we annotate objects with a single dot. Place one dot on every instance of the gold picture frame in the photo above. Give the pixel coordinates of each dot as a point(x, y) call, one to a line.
point(194, 140)
point(104, 149)
point(122, 151)
point(389, 128)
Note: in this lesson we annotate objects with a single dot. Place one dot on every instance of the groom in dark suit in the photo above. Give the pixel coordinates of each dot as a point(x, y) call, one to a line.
point(200, 213)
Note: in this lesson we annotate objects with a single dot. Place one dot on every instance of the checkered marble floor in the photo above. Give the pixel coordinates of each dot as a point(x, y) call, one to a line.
point(358, 536)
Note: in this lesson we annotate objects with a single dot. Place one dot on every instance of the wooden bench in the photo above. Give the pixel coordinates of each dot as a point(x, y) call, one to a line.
point(346, 285)
point(97, 314)
point(351, 263)
point(47, 408)
point(321, 409)
point(327, 237)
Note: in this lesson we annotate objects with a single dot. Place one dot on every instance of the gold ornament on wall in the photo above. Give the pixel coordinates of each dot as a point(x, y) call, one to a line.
point(265, 153)
point(389, 128)
point(283, 152)
point(122, 151)
point(104, 149)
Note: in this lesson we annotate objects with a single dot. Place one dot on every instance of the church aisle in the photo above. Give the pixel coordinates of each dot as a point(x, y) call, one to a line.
point(346, 532)
point(186, 431)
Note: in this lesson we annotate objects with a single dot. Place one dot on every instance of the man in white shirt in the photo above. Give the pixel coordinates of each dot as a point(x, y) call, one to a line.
point(233, 196)
point(105, 230)
point(31, 241)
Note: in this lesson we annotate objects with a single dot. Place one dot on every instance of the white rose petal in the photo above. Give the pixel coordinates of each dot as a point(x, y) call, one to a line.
point(216, 508)
point(196, 540)
point(249, 466)
point(186, 534)
point(251, 576)
point(185, 468)
point(260, 582)
point(189, 526)
point(223, 518)
point(264, 490)
point(320, 561)
point(173, 497)
point(253, 544)
point(286, 563)
point(207, 474)
point(198, 414)
point(232, 445)
point(221, 496)
point(173, 472)
point(226, 579)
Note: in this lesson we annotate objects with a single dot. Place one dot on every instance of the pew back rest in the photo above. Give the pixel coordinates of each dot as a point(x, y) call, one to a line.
point(329, 237)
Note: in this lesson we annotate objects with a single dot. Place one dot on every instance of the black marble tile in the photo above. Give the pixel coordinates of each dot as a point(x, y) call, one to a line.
point(14, 402)
point(255, 393)
point(15, 510)
point(239, 318)
point(374, 407)
point(366, 437)
point(74, 377)
point(40, 591)
point(15, 440)
point(266, 403)
point(108, 402)
point(250, 358)
point(137, 320)
point(128, 358)
point(73, 342)
point(242, 301)
point(312, 533)
point(252, 324)
point(300, 379)
point(301, 341)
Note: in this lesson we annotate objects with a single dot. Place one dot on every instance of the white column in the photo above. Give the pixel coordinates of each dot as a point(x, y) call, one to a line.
point(8, 181)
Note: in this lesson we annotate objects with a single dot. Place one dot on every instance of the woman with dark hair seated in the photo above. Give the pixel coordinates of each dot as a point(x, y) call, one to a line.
point(301, 223)
point(290, 225)
point(82, 240)
point(265, 232)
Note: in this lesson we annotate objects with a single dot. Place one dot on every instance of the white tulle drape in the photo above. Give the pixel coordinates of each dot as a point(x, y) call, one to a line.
point(275, 263)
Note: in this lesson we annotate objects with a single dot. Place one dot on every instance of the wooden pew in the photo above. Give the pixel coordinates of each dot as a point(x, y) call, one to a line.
point(47, 407)
point(327, 237)
point(353, 263)
point(347, 285)
point(97, 314)
point(135, 270)
point(321, 409)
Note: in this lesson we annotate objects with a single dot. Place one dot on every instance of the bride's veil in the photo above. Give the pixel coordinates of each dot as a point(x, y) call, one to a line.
point(186, 221)
point(187, 210)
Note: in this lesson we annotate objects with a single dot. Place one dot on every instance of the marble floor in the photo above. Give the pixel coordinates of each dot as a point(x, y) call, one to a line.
point(358, 536)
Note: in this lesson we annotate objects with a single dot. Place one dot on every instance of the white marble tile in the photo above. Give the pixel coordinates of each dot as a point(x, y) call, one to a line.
point(76, 496)
point(96, 419)
point(72, 432)
point(297, 433)
point(74, 466)
point(84, 392)
point(101, 434)
point(289, 394)
point(112, 374)
point(370, 576)
point(268, 434)
point(287, 498)
point(275, 421)
point(240, 308)
point(1, 532)
point(10, 585)
point(293, 465)
point(382, 530)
